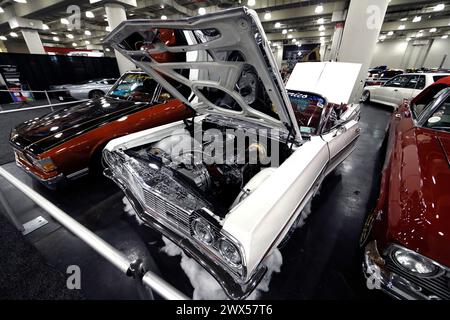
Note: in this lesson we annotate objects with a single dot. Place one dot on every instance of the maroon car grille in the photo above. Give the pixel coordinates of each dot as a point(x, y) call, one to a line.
point(438, 286)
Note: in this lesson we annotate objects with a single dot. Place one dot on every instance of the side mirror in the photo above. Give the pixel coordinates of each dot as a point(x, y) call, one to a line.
point(164, 97)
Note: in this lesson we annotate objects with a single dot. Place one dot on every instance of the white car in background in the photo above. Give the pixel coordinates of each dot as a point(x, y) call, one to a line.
point(231, 214)
point(404, 86)
point(91, 89)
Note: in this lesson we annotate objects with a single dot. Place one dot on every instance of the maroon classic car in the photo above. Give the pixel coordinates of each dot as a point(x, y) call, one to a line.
point(407, 236)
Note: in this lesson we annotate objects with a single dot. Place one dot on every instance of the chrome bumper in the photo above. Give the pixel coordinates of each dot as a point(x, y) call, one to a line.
point(378, 276)
point(51, 183)
point(233, 287)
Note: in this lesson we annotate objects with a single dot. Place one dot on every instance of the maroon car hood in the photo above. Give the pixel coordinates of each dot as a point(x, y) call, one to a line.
point(419, 215)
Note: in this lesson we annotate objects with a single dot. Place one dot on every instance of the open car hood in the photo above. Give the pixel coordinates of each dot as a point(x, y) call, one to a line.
point(220, 63)
point(333, 80)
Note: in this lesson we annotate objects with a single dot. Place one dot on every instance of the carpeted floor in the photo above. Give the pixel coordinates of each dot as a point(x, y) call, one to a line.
point(24, 273)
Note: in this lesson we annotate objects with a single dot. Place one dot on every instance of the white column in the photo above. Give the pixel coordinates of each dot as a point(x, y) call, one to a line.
point(115, 14)
point(361, 31)
point(33, 41)
point(336, 40)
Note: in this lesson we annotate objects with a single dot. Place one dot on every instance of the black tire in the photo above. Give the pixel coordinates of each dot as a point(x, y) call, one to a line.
point(95, 94)
point(365, 96)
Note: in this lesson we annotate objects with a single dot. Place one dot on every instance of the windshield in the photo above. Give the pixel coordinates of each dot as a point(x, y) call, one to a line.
point(307, 109)
point(138, 87)
point(440, 119)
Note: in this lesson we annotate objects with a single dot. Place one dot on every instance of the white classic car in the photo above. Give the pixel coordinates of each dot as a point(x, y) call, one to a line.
point(91, 89)
point(228, 185)
point(403, 86)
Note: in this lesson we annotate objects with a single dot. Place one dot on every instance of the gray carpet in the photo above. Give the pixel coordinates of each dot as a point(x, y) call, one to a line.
point(24, 273)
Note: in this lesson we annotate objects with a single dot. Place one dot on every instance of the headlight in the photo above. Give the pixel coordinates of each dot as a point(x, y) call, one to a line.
point(202, 231)
point(230, 252)
point(45, 164)
point(414, 263)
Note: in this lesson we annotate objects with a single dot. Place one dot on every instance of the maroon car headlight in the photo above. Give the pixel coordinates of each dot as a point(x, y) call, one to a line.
point(414, 263)
point(45, 164)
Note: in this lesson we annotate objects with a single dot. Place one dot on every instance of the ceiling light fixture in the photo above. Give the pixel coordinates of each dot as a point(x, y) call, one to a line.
point(21, 1)
point(87, 32)
point(417, 19)
point(408, 39)
point(74, 44)
point(1, 10)
point(401, 27)
point(55, 38)
point(277, 25)
point(445, 36)
point(432, 30)
point(70, 36)
point(108, 29)
point(322, 28)
point(64, 21)
point(267, 16)
point(3, 38)
point(251, 3)
point(390, 33)
point(322, 33)
point(320, 20)
point(45, 27)
point(163, 17)
point(201, 11)
point(382, 37)
point(87, 42)
point(319, 9)
point(289, 36)
point(404, 19)
point(284, 31)
point(13, 34)
point(90, 14)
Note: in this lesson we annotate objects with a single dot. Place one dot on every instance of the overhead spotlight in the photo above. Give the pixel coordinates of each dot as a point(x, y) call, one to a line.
point(382, 37)
point(87, 32)
point(64, 21)
point(417, 19)
point(404, 19)
point(3, 38)
point(107, 49)
point(432, 30)
point(322, 28)
point(320, 21)
point(439, 7)
point(55, 38)
point(277, 25)
point(45, 27)
point(108, 29)
point(70, 36)
point(419, 34)
point(322, 39)
point(201, 11)
point(322, 33)
point(54, 33)
point(13, 34)
point(290, 30)
point(163, 17)
point(1, 10)
point(162, 6)
point(408, 39)
point(251, 3)
point(290, 36)
point(21, 1)
point(74, 44)
point(390, 33)
point(267, 16)
point(401, 27)
point(445, 36)
point(294, 40)
point(319, 9)
point(90, 14)
point(87, 42)
point(284, 31)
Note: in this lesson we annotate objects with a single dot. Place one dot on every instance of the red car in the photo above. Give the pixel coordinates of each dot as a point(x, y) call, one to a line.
point(67, 144)
point(407, 236)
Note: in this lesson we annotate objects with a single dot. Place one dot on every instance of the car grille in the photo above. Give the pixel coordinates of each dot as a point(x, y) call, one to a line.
point(438, 286)
point(179, 217)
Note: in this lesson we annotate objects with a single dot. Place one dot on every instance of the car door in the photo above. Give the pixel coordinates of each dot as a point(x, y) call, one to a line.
point(410, 89)
point(392, 90)
point(341, 133)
